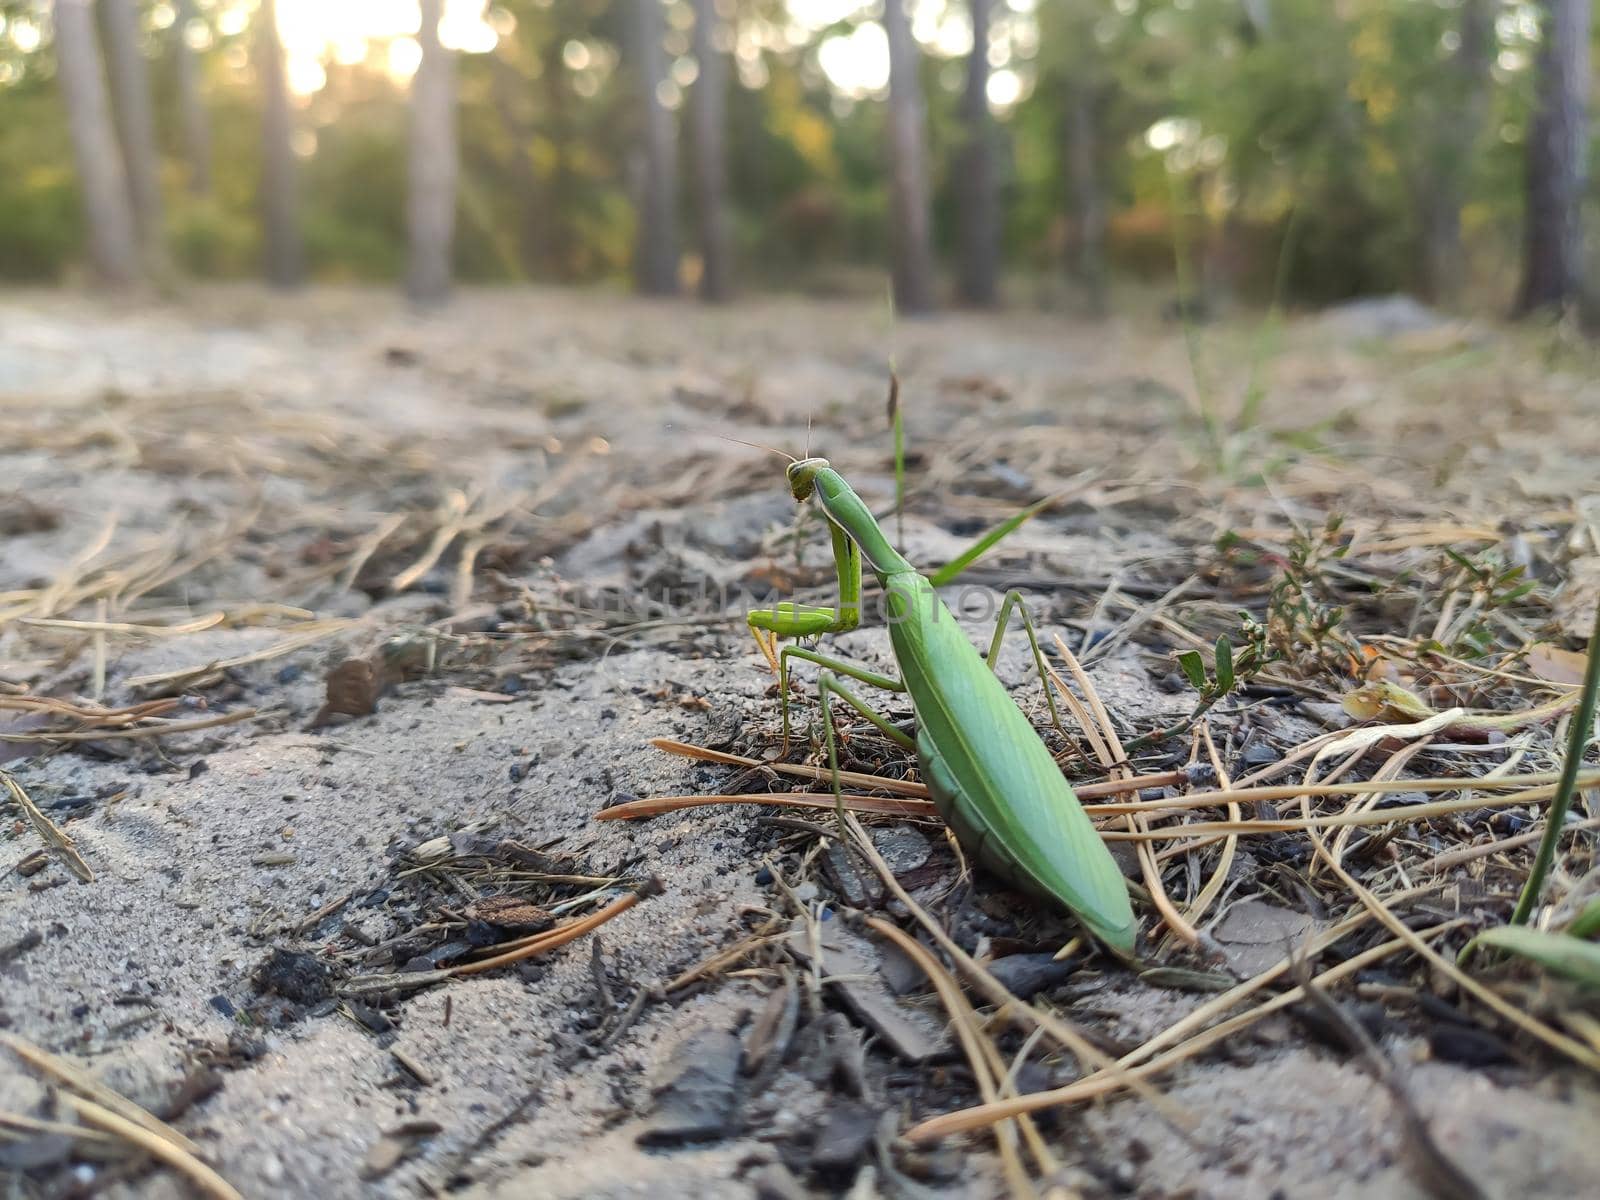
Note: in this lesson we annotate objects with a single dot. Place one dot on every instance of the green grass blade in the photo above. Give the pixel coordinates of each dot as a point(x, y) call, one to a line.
point(1559, 953)
point(986, 543)
point(1587, 923)
point(1266, 342)
point(1556, 816)
point(897, 423)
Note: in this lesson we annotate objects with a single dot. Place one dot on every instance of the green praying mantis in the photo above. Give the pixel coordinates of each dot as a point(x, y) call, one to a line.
point(990, 775)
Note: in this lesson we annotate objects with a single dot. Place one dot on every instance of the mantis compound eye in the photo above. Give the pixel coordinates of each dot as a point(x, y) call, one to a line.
point(802, 476)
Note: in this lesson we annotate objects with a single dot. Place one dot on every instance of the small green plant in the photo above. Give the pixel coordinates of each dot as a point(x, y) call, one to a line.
point(1494, 588)
point(1304, 623)
point(1587, 923)
point(1231, 669)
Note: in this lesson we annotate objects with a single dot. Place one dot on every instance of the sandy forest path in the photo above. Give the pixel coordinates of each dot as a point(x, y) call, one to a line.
point(514, 525)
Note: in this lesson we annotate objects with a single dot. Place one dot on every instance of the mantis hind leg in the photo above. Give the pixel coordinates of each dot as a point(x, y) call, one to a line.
point(839, 666)
point(1014, 600)
point(828, 686)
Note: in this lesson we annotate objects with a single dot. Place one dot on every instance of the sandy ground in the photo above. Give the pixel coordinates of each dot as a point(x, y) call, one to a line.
point(244, 446)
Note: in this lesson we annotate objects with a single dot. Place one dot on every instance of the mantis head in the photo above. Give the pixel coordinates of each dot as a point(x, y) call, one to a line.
point(803, 476)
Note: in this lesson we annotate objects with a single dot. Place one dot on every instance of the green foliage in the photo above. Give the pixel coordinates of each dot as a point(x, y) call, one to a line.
point(1216, 125)
point(1587, 923)
point(953, 569)
point(1578, 738)
point(1305, 622)
point(1304, 625)
point(210, 241)
point(1494, 587)
point(40, 226)
point(354, 197)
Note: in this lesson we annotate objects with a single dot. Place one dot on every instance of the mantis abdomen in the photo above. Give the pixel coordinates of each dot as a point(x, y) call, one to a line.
point(991, 776)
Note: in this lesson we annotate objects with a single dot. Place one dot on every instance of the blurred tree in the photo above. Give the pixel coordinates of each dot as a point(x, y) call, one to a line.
point(1557, 147)
point(191, 104)
point(431, 202)
point(1086, 185)
point(1102, 80)
point(1298, 148)
point(1277, 146)
point(910, 223)
point(285, 252)
point(135, 120)
point(979, 184)
point(113, 237)
point(548, 123)
point(708, 112)
point(656, 172)
point(506, 86)
point(1458, 114)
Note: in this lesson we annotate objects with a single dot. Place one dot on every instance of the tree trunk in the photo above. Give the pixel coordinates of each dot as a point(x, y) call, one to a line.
point(279, 201)
point(909, 214)
point(708, 112)
point(136, 126)
point(979, 185)
point(1463, 106)
point(1086, 186)
point(431, 203)
point(113, 240)
point(196, 124)
point(1553, 241)
point(656, 248)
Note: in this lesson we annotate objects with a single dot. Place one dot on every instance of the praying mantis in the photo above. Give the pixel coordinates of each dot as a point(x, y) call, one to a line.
point(991, 777)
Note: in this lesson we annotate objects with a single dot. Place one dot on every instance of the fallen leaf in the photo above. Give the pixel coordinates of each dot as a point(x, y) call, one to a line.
point(1555, 665)
point(699, 1100)
point(394, 1146)
point(849, 964)
point(1255, 935)
point(1376, 667)
point(1408, 716)
point(1579, 595)
point(1382, 699)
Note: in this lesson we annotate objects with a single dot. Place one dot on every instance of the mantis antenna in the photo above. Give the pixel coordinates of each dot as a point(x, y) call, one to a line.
point(755, 446)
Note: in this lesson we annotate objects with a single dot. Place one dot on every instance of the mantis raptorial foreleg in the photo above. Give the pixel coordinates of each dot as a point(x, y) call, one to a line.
point(767, 625)
point(789, 620)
